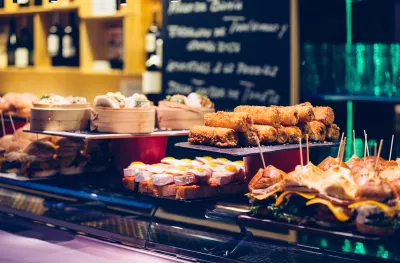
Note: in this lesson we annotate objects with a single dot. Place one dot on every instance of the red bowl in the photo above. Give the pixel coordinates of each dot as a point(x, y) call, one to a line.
point(148, 150)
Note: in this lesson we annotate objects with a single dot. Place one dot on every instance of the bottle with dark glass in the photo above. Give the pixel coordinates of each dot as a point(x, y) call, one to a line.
point(54, 41)
point(24, 51)
point(152, 35)
point(11, 43)
point(151, 79)
point(1, 3)
point(38, 2)
point(70, 43)
point(23, 3)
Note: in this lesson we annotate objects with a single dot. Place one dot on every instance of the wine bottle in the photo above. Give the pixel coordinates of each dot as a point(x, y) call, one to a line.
point(23, 3)
point(24, 51)
point(54, 41)
point(152, 35)
point(1, 3)
point(70, 43)
point(11, 43)
point(38, 2)
point(151, 81)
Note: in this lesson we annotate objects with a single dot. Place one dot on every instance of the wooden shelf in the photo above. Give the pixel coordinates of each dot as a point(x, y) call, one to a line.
point(38, 9)
point(117, 15)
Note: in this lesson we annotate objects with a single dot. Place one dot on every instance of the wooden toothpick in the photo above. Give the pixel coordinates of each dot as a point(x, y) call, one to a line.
point(366, 141)
point(391, 148)
point(301, 153)
point(261, 153)
point(308, 150)
point(379, 153)
point(2, 124)
point(354, 142)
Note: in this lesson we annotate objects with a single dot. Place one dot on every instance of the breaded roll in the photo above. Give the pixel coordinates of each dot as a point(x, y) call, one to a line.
point(213, 136)
point(282, 136)
point(238, 121)
point(306, 112)
point(333, 132)
point(316, 131)
point(262, 115)
point(289, 115)
point(294, 134)
point(266, 133)
point(248, 138)
point(324, 115)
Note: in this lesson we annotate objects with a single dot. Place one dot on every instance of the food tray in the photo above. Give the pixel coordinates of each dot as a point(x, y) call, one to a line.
point(99, 136)
point(272, 225)
point(249, 151)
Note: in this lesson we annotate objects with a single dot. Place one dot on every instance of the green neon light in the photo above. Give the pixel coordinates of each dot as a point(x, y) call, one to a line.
point(348, 23)
point(382, 252)
point(347, 246)
point(324, 243)
point(360, 249)
point(349, 131)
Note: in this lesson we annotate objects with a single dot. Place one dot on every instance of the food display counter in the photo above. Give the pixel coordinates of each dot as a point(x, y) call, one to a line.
point(233, 205)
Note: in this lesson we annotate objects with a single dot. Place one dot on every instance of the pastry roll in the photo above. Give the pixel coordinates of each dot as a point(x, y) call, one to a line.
point(332, 132)
point(213, 136)
point(262, 115)
point(266, 133)
point(282, 136)
point(306, 112)
point(324, 115)
point(294, 134)
point(316, 130)
point(238, 121)
point(248, 138)
point(289, 115)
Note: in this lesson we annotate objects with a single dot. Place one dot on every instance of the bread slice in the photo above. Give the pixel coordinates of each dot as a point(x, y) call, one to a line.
point(207, 191)
point(165, 190)
point(129, 183)
point(146, 187)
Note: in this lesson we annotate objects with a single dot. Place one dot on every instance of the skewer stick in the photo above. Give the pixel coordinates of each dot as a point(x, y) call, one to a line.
point(391, 148)
point(2, 124)
point(354, 142)
point(301, 153)
point(340, 146)
point(379, 153)
point(365, 146)
point(366, 141)
point(342, 151)
point(308, 150)
point(261, 153)
point(15, 133)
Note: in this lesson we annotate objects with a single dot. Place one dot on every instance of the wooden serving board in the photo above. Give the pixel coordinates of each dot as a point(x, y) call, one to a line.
point(249, 151)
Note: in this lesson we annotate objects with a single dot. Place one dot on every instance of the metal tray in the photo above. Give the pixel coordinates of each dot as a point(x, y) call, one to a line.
point(99, 136)
point(248, 151)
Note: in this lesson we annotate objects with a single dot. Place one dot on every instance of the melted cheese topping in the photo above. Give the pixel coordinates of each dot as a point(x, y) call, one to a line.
point(385, 209)
point(337, 211)
point(284, 194)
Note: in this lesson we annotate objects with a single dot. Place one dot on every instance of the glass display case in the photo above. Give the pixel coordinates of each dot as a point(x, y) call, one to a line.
point(213, 230)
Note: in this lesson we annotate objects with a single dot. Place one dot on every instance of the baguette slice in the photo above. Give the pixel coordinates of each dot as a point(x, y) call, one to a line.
point(165, 190)
point(207, 191)
point(146, 187)
point(129, 183)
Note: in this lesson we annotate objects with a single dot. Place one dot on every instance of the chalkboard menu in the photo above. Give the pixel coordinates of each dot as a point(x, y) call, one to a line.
point(234, 51)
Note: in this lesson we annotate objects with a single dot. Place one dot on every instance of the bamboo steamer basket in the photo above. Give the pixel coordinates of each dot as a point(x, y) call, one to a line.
point(74, 117)
point(175, 116)
point(136, 120)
